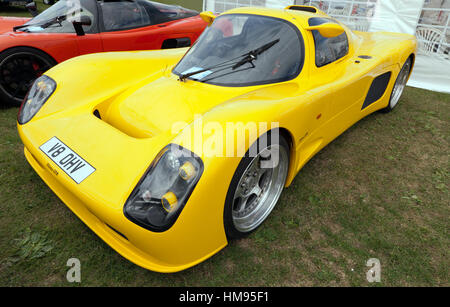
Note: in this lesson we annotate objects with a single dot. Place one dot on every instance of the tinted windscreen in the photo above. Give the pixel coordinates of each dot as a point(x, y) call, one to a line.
point(223, 51)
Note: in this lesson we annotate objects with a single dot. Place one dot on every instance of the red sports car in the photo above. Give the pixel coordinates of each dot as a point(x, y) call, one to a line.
point(74, 27)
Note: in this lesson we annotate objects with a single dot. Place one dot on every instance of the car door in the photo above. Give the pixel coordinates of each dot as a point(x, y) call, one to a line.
point(146, 38)
point(347, 78)
point(91, 41)
point(320, 96)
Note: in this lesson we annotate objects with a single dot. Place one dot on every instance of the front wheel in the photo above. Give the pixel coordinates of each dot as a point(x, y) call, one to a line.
point(399, 86)
point(19, 67)
point(256, 187)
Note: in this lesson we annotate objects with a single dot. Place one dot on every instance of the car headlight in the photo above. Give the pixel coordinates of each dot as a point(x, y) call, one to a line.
point(41, 90)
point(162, 193)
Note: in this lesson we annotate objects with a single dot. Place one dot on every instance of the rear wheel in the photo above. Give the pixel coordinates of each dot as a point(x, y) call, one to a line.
point(19, 67)
point(255, 188)
point(399, 85)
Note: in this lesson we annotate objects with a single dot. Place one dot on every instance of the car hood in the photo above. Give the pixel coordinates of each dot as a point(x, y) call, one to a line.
point(157, 107)
point(7, 23)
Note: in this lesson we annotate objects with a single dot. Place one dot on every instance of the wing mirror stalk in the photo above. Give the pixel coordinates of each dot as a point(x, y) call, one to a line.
point(78, 24)
point(208, 17)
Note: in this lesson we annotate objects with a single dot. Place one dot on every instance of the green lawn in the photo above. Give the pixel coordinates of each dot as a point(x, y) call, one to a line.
point(378, 191)
point(21, 11)
point(381, 190)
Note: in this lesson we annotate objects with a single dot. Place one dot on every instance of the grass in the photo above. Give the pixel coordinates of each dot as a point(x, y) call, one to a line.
point(381, 190)
point(378, 191)
point(21, 11)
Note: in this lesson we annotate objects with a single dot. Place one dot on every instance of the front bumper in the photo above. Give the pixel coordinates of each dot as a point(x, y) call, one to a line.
point(108, 234)
point(184, 245)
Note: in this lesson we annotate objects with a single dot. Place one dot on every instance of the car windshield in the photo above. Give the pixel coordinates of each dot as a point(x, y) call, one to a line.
point(244, 50)
point(59, 17)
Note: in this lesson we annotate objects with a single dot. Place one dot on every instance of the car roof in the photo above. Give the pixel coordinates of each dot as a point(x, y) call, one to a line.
point(295, 12)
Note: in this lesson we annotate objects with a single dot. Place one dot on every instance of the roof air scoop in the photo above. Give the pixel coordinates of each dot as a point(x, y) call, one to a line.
point(304, 8)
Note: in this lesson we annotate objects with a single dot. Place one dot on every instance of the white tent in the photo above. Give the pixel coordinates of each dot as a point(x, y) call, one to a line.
point(427, 19)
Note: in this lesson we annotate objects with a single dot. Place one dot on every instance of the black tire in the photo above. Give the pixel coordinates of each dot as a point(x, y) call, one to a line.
point(230, 229)
point(49, 2)
point(405, 72)
point(19, 67)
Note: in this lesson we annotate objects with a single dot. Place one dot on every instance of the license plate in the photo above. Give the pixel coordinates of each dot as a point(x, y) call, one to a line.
point(67, 160)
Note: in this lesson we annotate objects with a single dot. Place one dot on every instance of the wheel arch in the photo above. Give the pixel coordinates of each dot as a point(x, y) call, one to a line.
point(412, 56)
point(33, 48)
point(292, 154)
point(14, 96)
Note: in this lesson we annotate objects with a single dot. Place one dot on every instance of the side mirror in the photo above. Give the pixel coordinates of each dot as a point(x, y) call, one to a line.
point(32, 8)
point(208, 17)
point(78, 24)
point(328, 29)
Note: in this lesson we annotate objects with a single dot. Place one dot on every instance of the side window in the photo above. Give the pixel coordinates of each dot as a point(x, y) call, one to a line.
point(161, 13)
point(339, 45)
point(328, 50)
point(121, 15)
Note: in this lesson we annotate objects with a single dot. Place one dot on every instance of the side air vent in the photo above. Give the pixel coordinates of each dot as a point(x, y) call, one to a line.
point(377, 89)
point(304, 8)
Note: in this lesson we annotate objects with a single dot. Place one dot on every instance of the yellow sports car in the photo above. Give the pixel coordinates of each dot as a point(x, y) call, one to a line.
point(167, 155)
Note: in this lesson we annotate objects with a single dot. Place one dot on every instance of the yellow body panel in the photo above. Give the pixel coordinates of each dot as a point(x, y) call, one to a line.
point(312, 110)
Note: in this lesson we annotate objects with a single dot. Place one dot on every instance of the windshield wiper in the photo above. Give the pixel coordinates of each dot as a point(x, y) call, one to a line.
point(57, 19)
point(225, 64)
point(249, 57)
point(20, 27)
point(43, 25)
point(253, 55)
point(46, 24)
point(183, 77)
